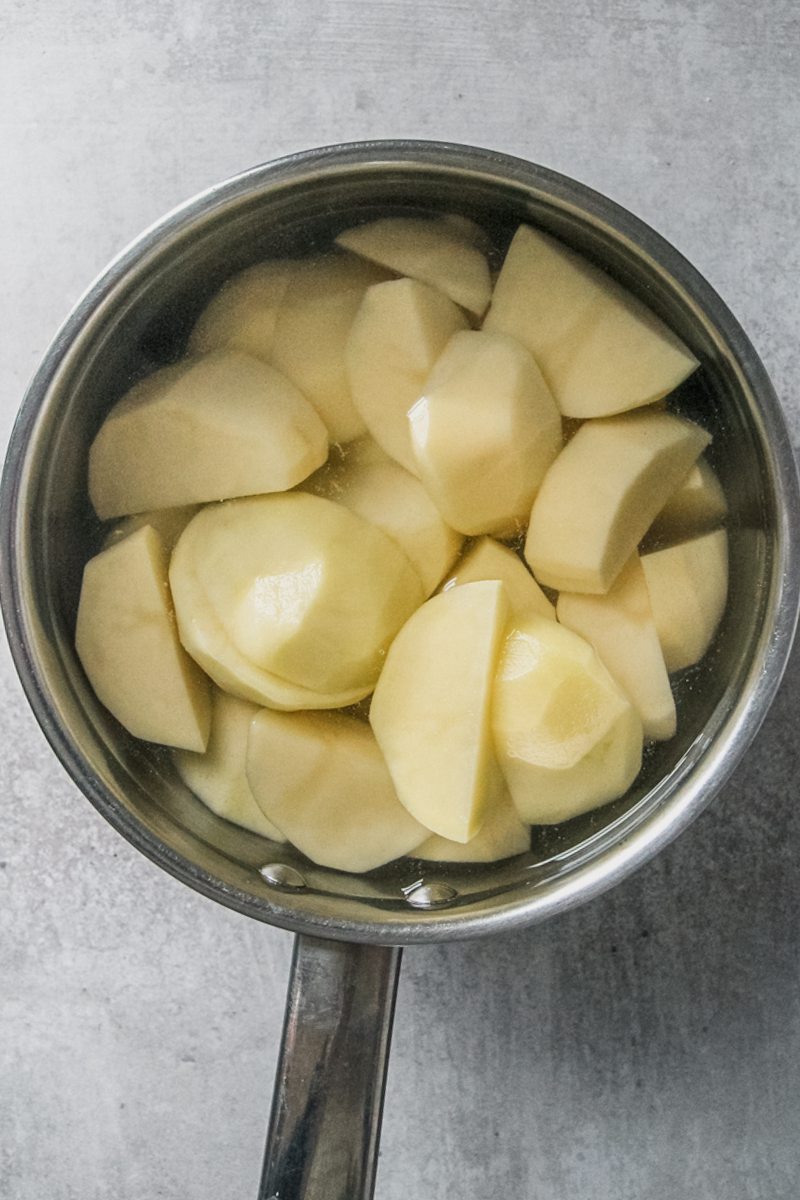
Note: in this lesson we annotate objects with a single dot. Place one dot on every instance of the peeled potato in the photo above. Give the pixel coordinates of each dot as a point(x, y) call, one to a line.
point(242, 314)
point(698, 505)
point(566, 736)
point(205, 429)
point(322, 779)
point(398, 333)
point(431, 709)
point(488, 559)
point(218, 777)
point(621, 628)
point(688, 588)
point(600, 349)
point(502, 835)
point(378, 489)
point(212, 649)
point(601, 494)
point(435, 251)
point(311, 331)
point(484, 432)
point(128, 644)
point(169, 524)
point(301, 587)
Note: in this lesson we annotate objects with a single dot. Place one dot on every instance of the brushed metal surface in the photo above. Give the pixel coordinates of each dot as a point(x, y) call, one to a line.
point(137, 315)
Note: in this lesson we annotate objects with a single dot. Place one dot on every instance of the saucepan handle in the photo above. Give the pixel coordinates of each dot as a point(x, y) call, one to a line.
point(325, 1124)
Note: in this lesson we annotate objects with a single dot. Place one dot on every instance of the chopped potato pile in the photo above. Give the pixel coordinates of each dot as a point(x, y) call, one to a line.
point(379, 473)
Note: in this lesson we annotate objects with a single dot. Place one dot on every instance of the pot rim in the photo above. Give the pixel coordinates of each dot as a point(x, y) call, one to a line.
point(693, 793)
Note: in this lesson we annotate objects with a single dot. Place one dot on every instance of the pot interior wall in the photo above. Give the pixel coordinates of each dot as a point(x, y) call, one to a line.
point(143, 323)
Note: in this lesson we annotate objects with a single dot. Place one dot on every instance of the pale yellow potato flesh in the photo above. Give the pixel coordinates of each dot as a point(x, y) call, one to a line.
point(374, 486)
point(434, 251)
point(621, 627)
point(688, 588)
point(213, 650)
point(398, 333)
point(566, 736)
point(128, 644)
point(206, 429)
point(169, 524)
point(242, 314)
point(311, 332)
point(600, 349)
point(321, 778)
point(431, 709)
point(484, 432)
point(698, 506)
point(602, 493)
point(488, 559)
point(468, 230)
point(502, 835)
point(218, 777)
point(302, 588)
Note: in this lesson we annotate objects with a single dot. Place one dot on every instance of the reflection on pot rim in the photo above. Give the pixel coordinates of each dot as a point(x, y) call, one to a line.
point(113, 335)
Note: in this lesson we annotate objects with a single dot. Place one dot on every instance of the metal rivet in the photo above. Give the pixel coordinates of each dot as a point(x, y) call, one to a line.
point(280, 875)
point(431, 895)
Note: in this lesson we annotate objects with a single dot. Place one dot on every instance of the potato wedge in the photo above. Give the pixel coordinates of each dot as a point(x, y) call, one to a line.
point(373, 486)
point(621, 627)
point(488, 559)
point(311, 331)
point(431, 709)
point(688, 588)
point(322, 779)
point(566, 736)
point(484, 432)
point(602, 493)
point(128, 645)
point(398, 333)
point(242, 314)
point(218, 777)
point(205, 429)
point(502, 835)
point(434, 251)
point(698, 506)
point(600, 349)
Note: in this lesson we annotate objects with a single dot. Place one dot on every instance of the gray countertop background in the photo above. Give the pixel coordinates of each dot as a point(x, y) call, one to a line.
point(646, 1047)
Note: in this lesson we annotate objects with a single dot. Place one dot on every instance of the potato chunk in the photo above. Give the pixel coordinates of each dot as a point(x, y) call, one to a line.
point(301, 588)
point(378, 489)
point(218, 777)
point(488, 559)
point(435, 251)
point(205, 429)
point(399, 331)
point(128, 644)
point(502, 835)
point(602, 493)
point(213, 650)
point(566, 736)
point(688, 588)
point(311, 332)
point(169, 524)
point(600, 349)
point(621, 628)
point(431, 709)
point(484, 432)
point(697, 506)
point(242, 314)
point(322, 779)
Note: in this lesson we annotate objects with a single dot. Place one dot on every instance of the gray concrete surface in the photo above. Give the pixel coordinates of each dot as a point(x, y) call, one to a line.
point(644, 1048)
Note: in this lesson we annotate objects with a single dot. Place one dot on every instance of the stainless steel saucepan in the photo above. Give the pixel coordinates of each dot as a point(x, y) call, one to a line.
point(325, 1125)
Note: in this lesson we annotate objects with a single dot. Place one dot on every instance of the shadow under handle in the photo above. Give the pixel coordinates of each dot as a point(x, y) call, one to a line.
point(325, 1124)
